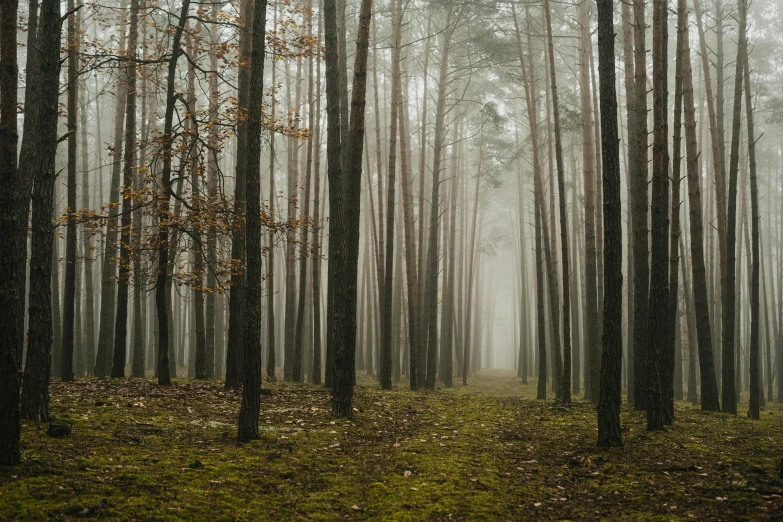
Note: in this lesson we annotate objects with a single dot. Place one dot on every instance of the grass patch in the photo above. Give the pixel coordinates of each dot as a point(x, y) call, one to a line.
point(486, 451)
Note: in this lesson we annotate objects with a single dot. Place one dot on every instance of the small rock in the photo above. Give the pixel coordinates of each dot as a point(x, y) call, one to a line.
point(59, 430)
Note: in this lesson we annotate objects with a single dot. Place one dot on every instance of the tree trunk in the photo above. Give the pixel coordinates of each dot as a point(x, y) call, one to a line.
point(129, 164)
point(637, 144)
point(104, 356)
point(88, 341)
point(631, 166)
point(565, 381)
point(42, 102)
point(728, 391)
point(592, 350)
point(385, 370)
point(236, 302)
point(659, 272)
point(669, 359)
point(299, 342)
point(709, 389)
point(162, 301)
point(250, 409)
point(743, 65)
point(345, 191)
point(13, 238)
point(611, 359)
point(212, 195)
point(315, 373)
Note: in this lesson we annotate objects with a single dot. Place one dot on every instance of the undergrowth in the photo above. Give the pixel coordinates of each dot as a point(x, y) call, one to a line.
point(486, 451)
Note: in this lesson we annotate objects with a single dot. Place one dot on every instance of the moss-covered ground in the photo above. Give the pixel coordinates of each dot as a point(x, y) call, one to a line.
point(487, 451)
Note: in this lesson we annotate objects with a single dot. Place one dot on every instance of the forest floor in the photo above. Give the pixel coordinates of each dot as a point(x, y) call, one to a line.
point(486, 451)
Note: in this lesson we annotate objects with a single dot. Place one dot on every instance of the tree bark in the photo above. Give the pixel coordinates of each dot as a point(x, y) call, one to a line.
point(250, 410)
point(42, 102)
point(659, 273)
point(235, 343)
point(345, 210)
point(709, 388)
point(162, 301)
point(588, 161)
point(565, 381)
point(104, 356)
point(13, 238)
point(129, 164)
point(669, 359)
point(743, 65)
point(637, 142)
point(611, 359)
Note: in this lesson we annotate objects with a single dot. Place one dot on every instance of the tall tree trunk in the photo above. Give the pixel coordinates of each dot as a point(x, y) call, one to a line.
point(236, 302)
point(345, 191)
point(104, 356)
point(271, 344)
point(250, 409)
point(88, 341)
point(728, 391)
point(69, 293)
point(611, 359)
point(631, 166)
point(542, 240)
point(588, 161)
point(691, 319)
point(42, 105)
point(129, 164)
point(13, 239)
point(565, 382)
point(659, 269)
point(212, 195)
point(743, 65)
point(430, 309)
point(385, 370)
point(315, 373)
point(669, 359)
point(637, 142)
point(719, 169)
point(292, 361)
point(709, 388)
point(447, 319)
point(299, 342)
point(162, 301)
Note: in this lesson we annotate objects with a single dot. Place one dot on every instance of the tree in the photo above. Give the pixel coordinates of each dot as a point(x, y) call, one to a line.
point(39, 148)
point(164, 198)
point(637, 142)
point(344, 197)
point(104, 355)
point(385, 371)
point(129, 164)
point(709, 387)
point(588, 161)
point(12, 241)
point(235, 344)
point(659, 273)
point(728, 392)
point(430, 310)
point(611, 358)
point(250, 409)
point(69, 304)
point(753, 410)
point(565, 381)
point(671, 347)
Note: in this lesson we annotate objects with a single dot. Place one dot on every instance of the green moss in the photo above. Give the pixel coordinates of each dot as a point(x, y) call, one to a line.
point(481, 452)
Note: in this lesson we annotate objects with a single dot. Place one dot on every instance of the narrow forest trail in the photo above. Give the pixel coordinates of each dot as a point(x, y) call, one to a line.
point(481, 452)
